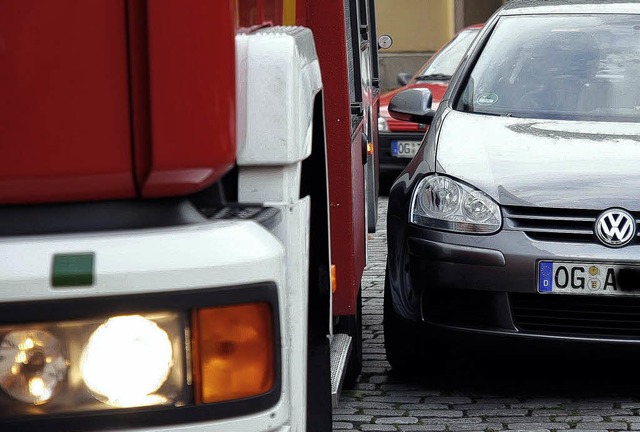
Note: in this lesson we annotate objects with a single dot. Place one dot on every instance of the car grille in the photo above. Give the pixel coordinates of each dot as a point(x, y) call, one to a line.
point(576, 315)
point(559, 225)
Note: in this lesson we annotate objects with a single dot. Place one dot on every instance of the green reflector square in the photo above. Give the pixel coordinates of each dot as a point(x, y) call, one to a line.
point(72, 270)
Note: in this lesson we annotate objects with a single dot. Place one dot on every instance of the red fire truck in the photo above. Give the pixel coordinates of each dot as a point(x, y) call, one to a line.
point(166, 256)
point(345, 38)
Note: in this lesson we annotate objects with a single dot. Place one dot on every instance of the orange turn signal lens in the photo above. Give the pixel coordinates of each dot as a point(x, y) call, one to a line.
point(370, 148)
point(233, 352)
point(334, 284)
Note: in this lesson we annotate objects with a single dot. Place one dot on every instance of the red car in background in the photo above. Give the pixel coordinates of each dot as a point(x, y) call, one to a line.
point(398, 141)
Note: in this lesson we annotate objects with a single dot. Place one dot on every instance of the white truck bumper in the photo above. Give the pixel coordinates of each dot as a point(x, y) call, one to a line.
point(153, 262)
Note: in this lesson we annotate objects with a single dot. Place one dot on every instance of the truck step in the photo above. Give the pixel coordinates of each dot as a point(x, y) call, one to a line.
point(340, 351)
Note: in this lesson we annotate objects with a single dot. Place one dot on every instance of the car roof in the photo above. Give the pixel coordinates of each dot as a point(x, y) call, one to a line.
point(526, 7)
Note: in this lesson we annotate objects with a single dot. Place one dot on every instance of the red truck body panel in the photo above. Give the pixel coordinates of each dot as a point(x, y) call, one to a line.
point(64, 133)
point(344, 150)
point(89, 114)
point(191, 87)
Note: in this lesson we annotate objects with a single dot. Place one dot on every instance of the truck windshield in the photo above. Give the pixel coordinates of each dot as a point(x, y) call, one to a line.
point(559, 67)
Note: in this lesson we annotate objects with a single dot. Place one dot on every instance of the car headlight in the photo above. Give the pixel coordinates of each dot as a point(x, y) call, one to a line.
point(383, 126)
point(441, 202)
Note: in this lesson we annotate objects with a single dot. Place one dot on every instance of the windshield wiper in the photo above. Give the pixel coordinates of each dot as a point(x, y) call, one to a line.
point(434, 77)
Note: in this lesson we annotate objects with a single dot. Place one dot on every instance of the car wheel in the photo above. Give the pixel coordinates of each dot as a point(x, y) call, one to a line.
point(404, 340)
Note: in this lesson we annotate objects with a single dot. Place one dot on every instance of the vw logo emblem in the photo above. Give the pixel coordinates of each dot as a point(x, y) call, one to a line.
point(616, 227)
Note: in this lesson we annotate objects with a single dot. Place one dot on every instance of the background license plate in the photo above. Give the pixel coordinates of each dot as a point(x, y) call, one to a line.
point(404, 149)
point(579, 278)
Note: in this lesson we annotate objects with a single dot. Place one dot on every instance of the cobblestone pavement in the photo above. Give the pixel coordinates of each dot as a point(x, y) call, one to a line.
point(489, 389)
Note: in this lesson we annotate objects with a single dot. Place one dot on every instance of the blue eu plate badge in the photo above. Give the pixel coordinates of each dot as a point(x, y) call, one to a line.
point(394, 147)
point(546, 275)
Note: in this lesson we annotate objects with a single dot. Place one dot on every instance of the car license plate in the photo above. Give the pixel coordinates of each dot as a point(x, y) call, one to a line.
point(588, 278)
point(404, 149)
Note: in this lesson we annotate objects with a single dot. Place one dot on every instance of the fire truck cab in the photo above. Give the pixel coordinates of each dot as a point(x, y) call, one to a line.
point(168, 203)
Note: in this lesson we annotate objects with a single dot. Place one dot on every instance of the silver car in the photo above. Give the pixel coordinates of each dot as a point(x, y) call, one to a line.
point(519, 215)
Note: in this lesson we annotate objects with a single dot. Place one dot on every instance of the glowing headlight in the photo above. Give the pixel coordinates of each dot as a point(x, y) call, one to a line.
point(443, 203)
point(64, 366)
point(188, 357)
point(126, 360)
point(382, 124)
point(32, 365)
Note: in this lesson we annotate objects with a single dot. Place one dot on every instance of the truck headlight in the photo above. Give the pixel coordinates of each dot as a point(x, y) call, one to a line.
point(32, 365)
point(443, 203)
point(126, 360)
point(120, 361)
point(194, 356)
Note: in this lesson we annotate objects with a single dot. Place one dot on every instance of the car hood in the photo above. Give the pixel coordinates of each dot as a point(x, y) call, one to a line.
point(437, 88)
point(557, 164)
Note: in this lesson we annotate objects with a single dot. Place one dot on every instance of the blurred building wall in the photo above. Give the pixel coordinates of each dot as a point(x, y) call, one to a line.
point(476, 12)
point(416, 25)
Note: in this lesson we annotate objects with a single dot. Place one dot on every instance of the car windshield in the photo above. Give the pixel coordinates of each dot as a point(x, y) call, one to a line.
point(559, 67)
point(444, 64)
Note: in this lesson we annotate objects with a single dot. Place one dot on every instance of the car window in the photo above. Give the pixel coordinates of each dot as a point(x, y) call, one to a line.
point(447, 60)
point(559, 67)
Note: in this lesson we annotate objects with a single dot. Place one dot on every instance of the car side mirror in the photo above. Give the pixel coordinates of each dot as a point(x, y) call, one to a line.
point(404, 78)
point(412, 105)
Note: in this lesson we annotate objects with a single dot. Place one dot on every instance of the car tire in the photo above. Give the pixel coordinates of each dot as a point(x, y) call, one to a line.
point(404, 340)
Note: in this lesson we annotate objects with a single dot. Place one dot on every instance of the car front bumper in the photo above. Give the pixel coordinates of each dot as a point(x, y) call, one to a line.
point(488, 285)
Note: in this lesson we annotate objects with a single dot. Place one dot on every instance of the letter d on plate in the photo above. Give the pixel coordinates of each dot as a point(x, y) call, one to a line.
point(546, 277)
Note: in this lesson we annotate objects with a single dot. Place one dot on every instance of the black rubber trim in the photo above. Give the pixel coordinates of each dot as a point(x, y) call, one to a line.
point(66, 218)
point(455, 253)
point(130, 85)
point(50, 310)
point(481, 335)
point(124, 215)
point(315, 186)
point(268, 217)
point(404, 136)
